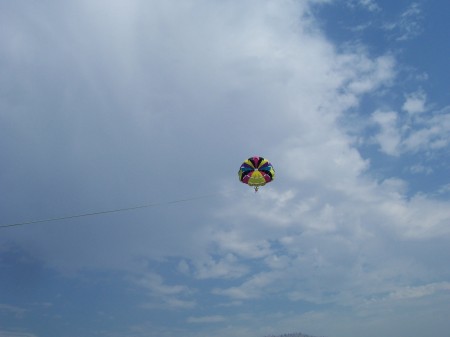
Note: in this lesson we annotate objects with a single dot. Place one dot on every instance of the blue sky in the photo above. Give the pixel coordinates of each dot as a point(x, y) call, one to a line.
point(115, 104)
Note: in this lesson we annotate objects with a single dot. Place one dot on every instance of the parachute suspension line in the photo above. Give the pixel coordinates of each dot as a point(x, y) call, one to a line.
point(108, 211)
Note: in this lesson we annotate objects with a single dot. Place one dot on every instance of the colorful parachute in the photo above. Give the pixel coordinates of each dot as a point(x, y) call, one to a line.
point(256, 171)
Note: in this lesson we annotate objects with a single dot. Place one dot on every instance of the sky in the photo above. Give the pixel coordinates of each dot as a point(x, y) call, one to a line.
point(110, 104)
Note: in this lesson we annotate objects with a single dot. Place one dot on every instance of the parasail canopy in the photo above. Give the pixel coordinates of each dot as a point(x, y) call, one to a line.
point(256, 171)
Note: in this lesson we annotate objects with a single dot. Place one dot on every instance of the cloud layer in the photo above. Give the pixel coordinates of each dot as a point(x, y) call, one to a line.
point(108, 104)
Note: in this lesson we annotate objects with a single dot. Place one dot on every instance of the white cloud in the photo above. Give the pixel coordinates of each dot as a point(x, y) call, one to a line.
point(155, 284)
point(415, 103)
point(10, 333)
point(363, 74)
point(227, 267)
point(206, 319)
point(163, 295)
point(163, 99)
point(10, 309)
point(258, 285)
point(419, 168)
point(430, 134)
point(406, 293)
point(426, 133)
point(389, 136)
point(278, 261)
point(408, 25)
point(370, 5)
point(234, 242)
point(444, 189)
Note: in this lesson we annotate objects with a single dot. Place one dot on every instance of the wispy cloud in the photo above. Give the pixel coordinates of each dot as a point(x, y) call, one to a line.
point(408, 25)
point(11, 333)
point(164, 295)
point(370, 5)
point(419, 291)
point(206, 319)
point(256, 286)
point(412, 133)
point(228, 266)
point(10, 309)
